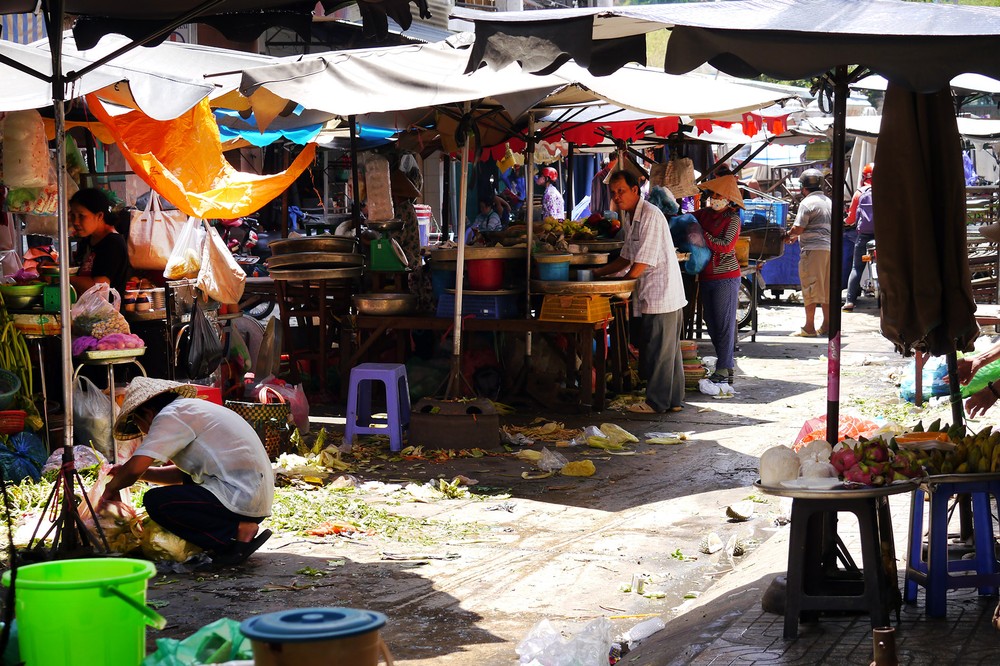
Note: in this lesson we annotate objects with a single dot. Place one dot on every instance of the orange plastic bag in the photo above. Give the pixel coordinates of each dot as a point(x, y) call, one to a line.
point(851, 427)
point(182, 160)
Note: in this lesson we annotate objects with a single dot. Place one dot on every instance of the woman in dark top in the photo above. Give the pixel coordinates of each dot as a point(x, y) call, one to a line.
point(103, 252)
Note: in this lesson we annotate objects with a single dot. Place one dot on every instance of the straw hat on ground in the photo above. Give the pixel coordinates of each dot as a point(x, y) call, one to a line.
point(139, 391)
point(726, 187)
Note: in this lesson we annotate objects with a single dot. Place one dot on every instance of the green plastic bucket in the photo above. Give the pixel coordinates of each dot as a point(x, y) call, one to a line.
point(75, 612)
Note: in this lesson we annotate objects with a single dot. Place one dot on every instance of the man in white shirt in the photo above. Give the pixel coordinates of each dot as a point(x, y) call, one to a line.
point(218, 484)
point(648, 254)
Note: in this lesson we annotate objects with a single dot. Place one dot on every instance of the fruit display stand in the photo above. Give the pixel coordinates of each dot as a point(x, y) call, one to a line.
point(814, 581)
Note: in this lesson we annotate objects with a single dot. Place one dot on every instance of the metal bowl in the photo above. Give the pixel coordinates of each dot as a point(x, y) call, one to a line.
point(384, 225)
point(385, 304)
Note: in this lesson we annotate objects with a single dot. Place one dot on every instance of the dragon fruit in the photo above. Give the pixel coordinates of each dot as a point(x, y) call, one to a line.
point(858, 475)
point(843, 459)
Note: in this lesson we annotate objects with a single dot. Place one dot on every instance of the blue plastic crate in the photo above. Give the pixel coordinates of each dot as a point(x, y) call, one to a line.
point(759, 213)
point(502, 306)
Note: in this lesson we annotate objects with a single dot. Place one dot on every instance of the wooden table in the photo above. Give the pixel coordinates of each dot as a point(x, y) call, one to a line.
point(592, 395)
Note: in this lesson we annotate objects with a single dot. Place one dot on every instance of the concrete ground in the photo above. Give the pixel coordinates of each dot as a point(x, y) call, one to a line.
point(565, 549)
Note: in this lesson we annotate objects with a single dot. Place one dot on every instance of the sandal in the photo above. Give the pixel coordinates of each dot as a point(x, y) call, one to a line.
point(803, 333)
point(241, 551)
point(676, 408)
point(719, 378)
point(641, 408)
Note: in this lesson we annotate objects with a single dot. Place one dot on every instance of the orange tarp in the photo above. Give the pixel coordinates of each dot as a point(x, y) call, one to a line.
point(182, 160)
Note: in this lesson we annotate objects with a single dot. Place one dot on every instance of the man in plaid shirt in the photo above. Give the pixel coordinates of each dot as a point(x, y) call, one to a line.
point(648, 255)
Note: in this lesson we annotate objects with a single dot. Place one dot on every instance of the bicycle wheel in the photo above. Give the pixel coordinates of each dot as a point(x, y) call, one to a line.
point(744, 307)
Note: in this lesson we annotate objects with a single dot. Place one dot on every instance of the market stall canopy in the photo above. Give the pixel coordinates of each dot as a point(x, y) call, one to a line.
point(919, 46)
point(976, 129)
point(159, 95)
point(238, 20)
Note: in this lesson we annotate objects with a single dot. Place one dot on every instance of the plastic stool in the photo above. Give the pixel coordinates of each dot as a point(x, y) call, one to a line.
point(935, 571)
point(359, 402)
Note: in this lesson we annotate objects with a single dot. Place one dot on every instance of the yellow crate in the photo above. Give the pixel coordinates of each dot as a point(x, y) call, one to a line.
point(580, 307)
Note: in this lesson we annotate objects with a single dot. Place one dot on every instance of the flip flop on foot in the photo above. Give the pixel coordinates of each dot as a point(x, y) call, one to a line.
point(641, 408)
point(241, 551)
point(803, 333)
point(677, 408)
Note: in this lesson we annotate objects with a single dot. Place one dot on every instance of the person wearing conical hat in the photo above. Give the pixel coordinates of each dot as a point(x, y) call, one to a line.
point(719, 281)
point(216, 481)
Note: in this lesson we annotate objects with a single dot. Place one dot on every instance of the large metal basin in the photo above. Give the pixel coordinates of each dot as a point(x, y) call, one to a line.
point(386, 305)
point(313, 244)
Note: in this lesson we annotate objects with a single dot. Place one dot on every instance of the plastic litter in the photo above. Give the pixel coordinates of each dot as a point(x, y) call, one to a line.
point(716, 390)
point(545, 646)
point(216, 643)
point(643, 630)
point(551, 461)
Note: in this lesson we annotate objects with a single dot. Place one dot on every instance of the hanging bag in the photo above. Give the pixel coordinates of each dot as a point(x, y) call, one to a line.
point(92, 417)
point(679, 178)
point(220, 278)
point(184, 261)
point(152, 235)
point(207, 349)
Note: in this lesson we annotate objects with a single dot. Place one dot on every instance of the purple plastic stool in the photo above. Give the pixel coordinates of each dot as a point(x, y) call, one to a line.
point(935, 570)
point(359, 403)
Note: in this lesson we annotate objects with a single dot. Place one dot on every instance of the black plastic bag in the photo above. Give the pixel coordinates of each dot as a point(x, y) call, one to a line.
point(206, 352)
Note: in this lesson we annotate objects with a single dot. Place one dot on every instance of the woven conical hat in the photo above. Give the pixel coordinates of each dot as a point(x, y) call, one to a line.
point(139, 391)
point(725, 186)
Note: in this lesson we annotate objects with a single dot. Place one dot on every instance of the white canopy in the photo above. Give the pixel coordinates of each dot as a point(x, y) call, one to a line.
point(158, 95)
point(408, 77)
point(968, 82)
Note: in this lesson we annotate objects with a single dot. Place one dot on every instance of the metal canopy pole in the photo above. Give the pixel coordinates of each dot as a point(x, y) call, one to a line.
point(454, 380)
point(529, 214)
point(840, 92)
point(355, 186)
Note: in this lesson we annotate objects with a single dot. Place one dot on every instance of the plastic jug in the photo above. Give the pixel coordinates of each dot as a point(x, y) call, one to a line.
point(102, 613)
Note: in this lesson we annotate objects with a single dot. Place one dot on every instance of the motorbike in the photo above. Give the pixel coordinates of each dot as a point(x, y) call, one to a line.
point(870, 286)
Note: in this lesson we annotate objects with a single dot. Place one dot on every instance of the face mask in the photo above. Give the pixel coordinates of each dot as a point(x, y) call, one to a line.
point(718, 204)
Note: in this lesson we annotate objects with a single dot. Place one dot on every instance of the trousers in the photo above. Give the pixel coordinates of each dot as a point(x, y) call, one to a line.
point(660, 362)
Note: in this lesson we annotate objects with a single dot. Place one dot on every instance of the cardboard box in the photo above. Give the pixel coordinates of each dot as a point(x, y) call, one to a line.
point(452, 424)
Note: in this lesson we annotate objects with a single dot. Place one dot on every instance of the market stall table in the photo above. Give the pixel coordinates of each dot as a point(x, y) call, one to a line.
point(593, 356)
point(814, 581)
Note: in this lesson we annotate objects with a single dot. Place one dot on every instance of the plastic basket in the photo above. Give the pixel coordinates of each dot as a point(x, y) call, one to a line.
point(501, 306)
point(580, 308)
point(759, 213)
point(12, 421)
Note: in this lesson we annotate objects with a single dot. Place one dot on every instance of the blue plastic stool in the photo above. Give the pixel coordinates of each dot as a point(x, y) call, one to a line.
point(359, 403)
point(935, 570)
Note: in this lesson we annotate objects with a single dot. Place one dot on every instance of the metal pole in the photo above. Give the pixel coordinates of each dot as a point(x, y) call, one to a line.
point(529, 214)
point(463, 194)
point(840, 80)
point(356, 187)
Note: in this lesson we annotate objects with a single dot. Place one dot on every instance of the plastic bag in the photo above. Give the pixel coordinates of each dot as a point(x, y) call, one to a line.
point(215, 643)
point(25, 150)
point(545, 646)
point(23, 457)
point(184, 261)
point(96, 314)
point(92, 417)
point(551, 461)
point(153, 234)
point(206, 350)
point(295, 396)
point(120, 523)
point(220, 277)
point(934, 379)
point(851, 427)
point(159, 544)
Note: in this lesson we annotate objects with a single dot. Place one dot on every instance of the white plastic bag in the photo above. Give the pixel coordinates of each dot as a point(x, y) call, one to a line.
point(551, 461)
point(25, 150)
point(92, 417)
point(96, 313)
point(184, 261)
point(545, 646)
point(153, 234)
point(220, 277)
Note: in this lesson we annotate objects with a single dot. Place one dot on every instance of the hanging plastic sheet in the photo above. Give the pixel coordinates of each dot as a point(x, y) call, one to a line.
point(182, 160)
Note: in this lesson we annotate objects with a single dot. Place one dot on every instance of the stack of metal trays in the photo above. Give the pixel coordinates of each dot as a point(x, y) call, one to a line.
point(315, 258)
